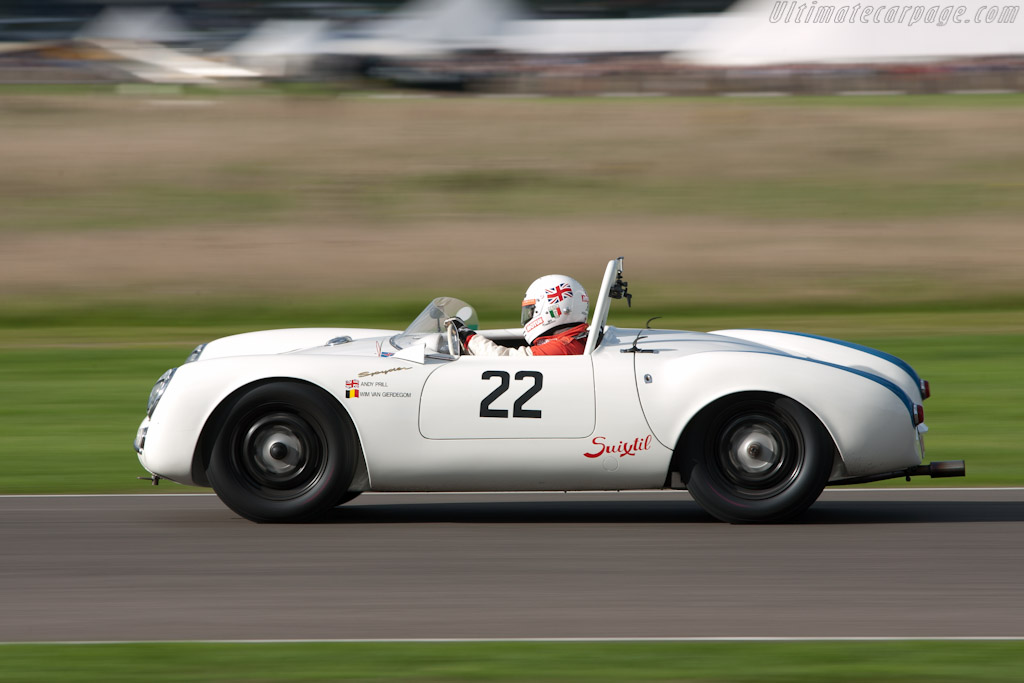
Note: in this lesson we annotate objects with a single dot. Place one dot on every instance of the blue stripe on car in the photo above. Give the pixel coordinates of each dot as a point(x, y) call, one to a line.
point(898, 362)
point(894, 388)
point(891, 386)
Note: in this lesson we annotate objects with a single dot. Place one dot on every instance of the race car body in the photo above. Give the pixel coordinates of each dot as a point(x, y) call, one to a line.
point(287, 424)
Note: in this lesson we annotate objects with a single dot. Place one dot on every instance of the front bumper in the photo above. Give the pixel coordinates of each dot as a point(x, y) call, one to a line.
point(140, 438)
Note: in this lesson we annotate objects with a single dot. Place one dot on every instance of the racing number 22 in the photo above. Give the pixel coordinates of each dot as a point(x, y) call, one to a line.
point(517, 408)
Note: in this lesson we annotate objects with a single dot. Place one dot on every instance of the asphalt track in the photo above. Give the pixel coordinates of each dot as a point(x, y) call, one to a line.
point(900, 563)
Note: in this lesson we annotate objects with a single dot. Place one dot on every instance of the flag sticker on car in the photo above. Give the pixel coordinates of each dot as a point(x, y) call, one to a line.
point(355, 388)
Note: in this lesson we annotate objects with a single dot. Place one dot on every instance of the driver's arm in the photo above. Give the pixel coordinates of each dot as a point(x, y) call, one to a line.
point(479, 345)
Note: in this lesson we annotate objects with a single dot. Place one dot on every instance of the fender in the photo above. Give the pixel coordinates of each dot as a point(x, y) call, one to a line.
point(838, 352)
point(197, 389)
point(867, 419)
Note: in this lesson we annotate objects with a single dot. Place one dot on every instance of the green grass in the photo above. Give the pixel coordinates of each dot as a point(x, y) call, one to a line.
point(527, 193)
point(906, 662)
point(71, 414)
point(75, 385)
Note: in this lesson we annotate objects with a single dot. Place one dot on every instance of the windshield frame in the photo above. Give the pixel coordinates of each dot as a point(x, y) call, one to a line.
point(430, 322)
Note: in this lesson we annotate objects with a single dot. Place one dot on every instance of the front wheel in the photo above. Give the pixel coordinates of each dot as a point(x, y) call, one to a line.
point(757, 458)
point(285, 453)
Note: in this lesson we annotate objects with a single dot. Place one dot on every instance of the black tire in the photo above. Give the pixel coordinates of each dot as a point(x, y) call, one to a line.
point(285, 453)
point(757, 458)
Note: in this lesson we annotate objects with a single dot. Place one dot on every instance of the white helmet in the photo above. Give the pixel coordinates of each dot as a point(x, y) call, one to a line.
point(552, 301)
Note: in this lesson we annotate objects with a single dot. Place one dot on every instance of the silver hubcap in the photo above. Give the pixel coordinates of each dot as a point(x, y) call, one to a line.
point(758, 452)
point(281, 451)
point(753, 450)
point(278, 451)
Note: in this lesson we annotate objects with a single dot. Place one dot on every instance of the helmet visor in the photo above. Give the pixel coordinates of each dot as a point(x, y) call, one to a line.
point(529, 308)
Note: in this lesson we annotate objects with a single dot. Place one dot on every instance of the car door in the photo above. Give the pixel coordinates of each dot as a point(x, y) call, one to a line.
point(550, 398)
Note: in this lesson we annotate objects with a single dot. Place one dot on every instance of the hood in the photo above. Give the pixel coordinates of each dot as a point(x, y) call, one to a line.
point(317, 339)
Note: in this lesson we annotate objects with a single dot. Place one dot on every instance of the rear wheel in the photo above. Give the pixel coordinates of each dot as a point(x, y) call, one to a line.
point(285, 453)
point(757, 458)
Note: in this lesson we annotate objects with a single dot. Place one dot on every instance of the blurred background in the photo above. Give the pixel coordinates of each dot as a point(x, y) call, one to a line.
point(554, 47)
point(178, 171)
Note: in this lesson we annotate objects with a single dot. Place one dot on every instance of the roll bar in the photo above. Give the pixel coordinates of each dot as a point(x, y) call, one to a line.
point(612, 272)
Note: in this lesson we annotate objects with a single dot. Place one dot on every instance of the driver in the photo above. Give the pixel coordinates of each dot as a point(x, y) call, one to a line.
point(554, 322)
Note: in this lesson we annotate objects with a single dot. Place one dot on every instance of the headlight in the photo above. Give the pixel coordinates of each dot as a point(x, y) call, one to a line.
point(158, 391)
point(196, 352)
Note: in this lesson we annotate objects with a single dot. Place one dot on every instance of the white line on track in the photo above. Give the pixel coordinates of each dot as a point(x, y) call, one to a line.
point(837, 489)
point(869, 93)
point(983, 91)
point(681, 639)
point(632, 95)
point(757, 93)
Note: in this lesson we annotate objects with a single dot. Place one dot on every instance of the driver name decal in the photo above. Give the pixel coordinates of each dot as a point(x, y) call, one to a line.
point(359, 388)
point(623, 448)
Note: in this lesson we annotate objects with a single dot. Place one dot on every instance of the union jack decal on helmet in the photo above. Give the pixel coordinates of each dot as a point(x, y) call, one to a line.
point(558, 293)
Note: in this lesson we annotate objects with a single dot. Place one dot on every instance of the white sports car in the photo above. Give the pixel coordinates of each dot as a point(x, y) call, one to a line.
point(287, 424)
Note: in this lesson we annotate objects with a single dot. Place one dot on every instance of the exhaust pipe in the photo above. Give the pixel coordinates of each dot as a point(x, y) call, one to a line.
point(944, 468)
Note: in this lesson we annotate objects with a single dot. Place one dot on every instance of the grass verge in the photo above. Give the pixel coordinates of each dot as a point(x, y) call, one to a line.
point(906, 661)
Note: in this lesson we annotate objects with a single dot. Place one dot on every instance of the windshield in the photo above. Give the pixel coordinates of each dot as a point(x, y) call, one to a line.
point(429, 324)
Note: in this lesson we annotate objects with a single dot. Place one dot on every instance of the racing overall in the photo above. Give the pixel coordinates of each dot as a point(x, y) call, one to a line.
point(566, 342)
